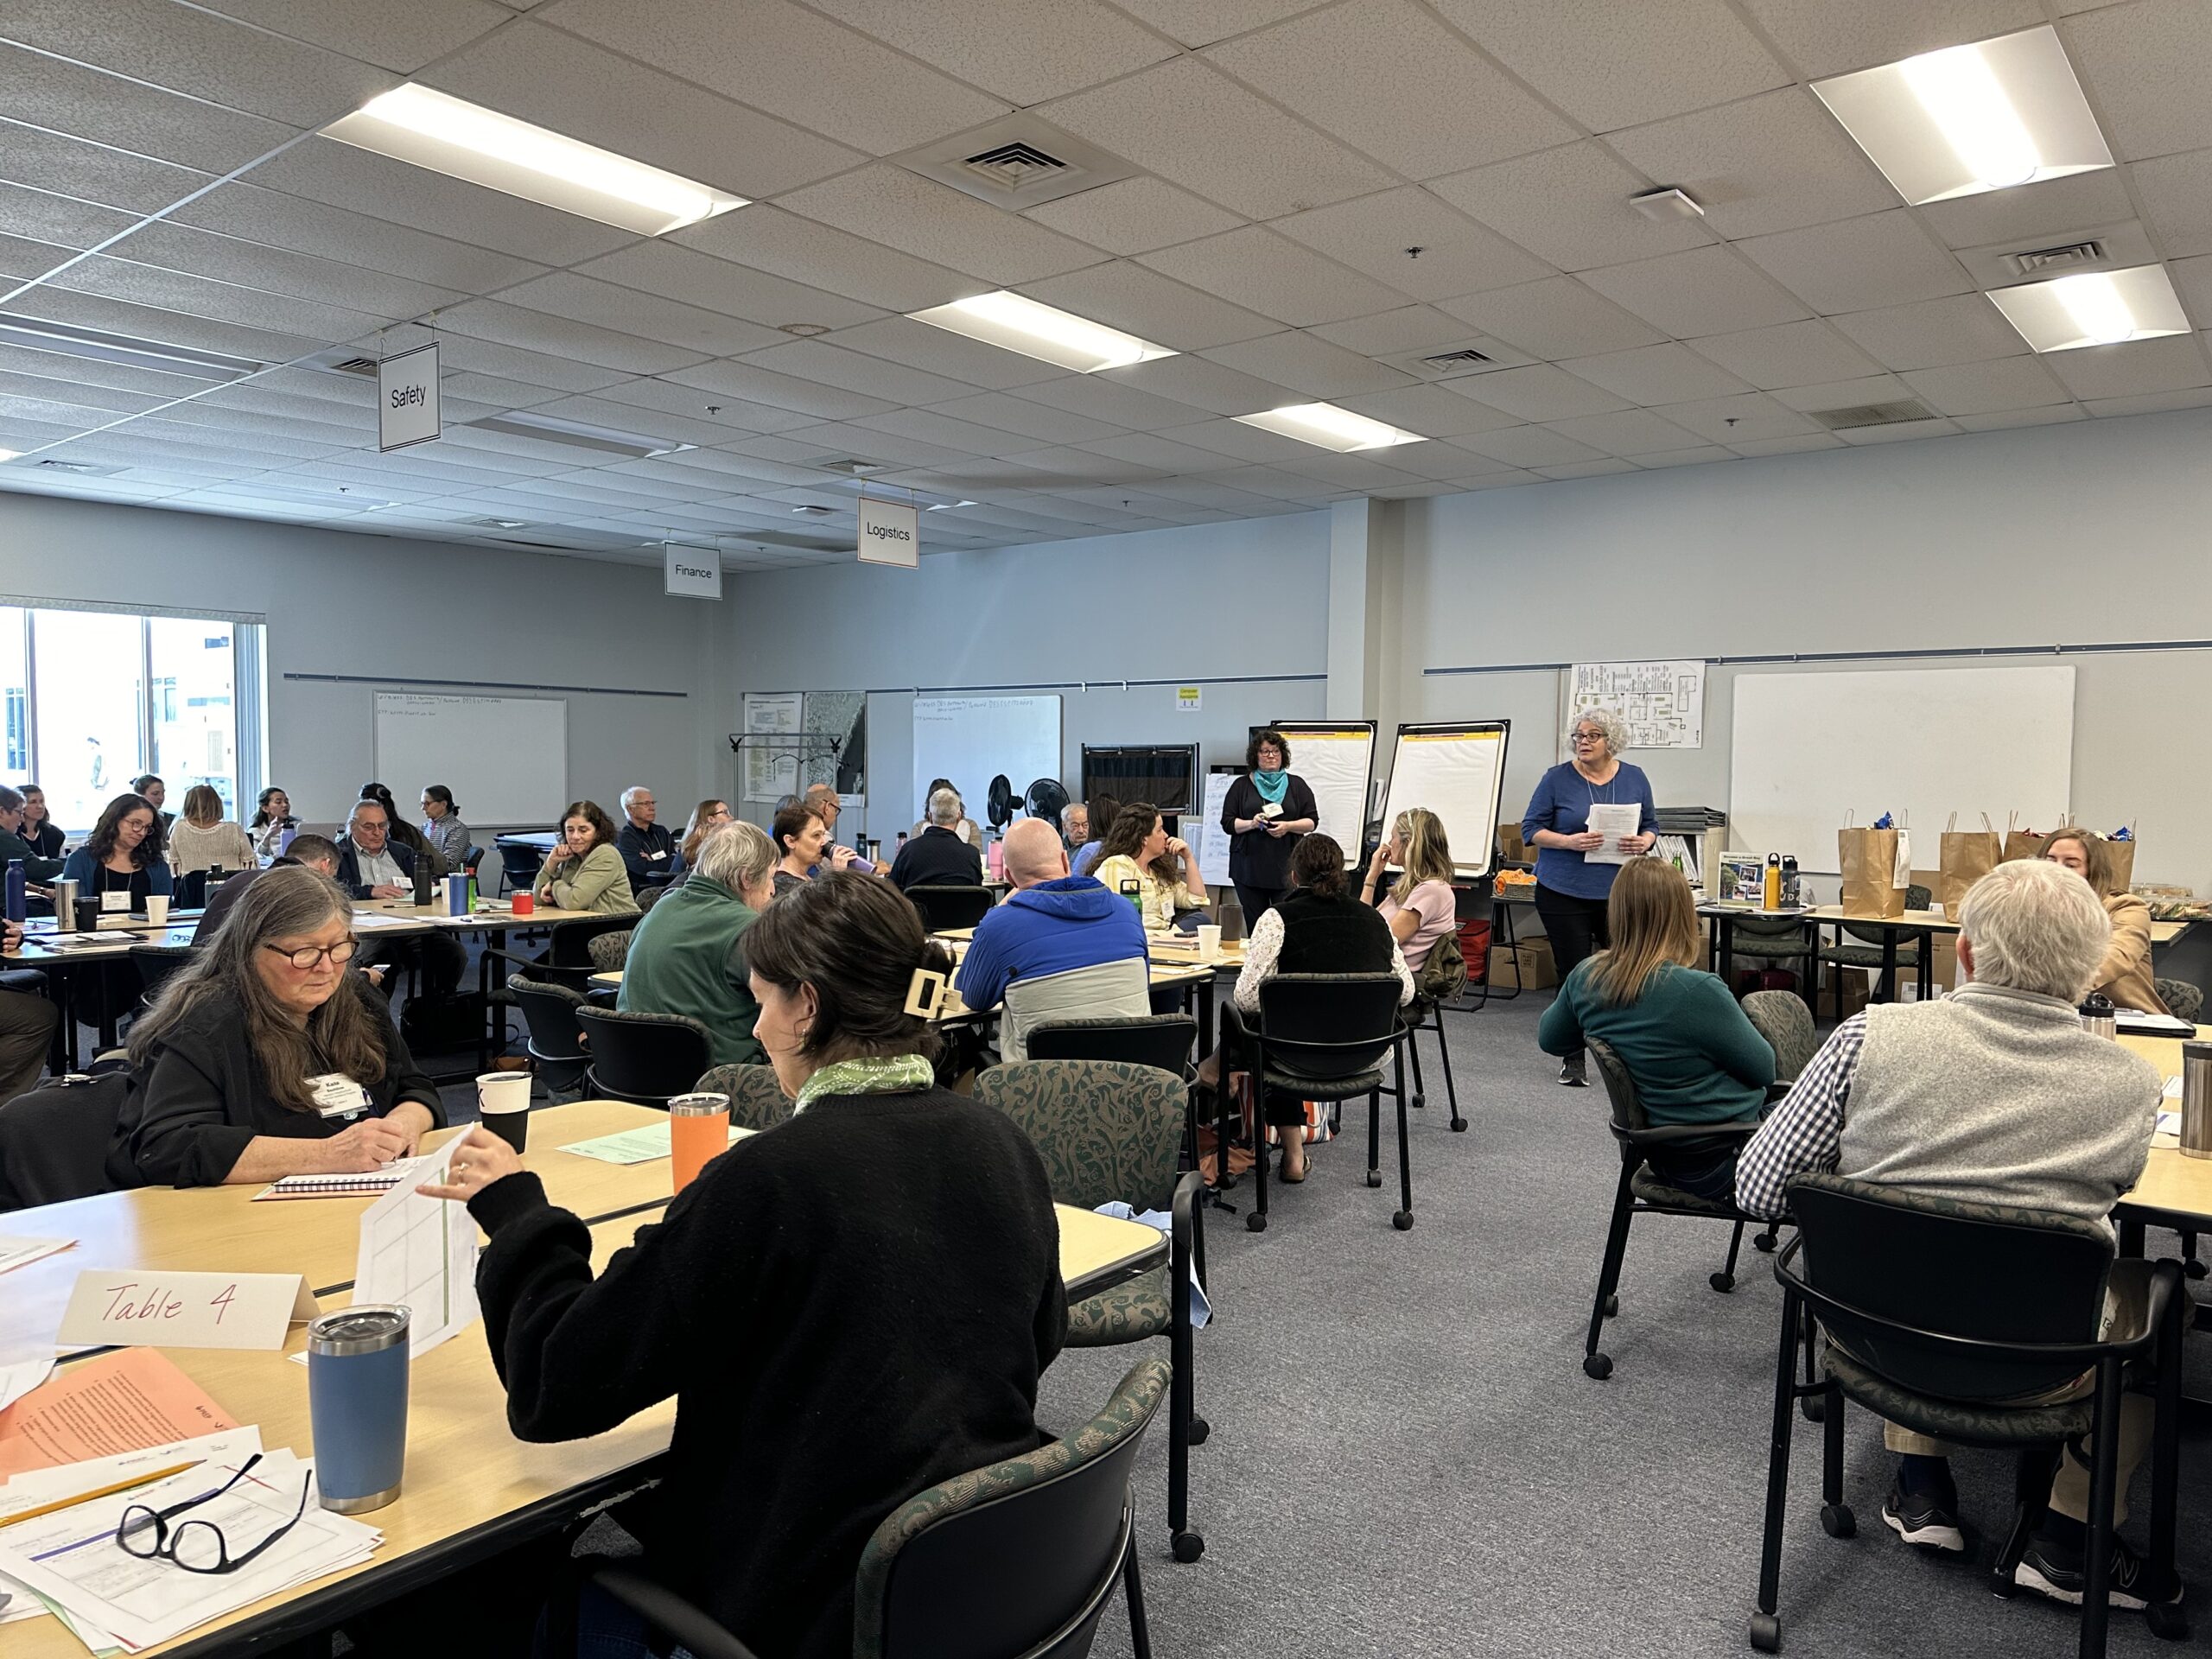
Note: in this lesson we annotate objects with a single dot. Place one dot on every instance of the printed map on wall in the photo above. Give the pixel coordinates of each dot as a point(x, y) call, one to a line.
point(771, 770)
point(843, 716)
point(1662, 703)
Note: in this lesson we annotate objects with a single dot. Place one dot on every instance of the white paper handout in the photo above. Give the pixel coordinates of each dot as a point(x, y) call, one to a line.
point(22, 1252)
point(420, 1253)
point(19, 1378)
point(1612, 820)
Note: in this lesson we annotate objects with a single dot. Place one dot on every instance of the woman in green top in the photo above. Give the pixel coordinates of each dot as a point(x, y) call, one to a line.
point(585, 872)
point(1694, 1056)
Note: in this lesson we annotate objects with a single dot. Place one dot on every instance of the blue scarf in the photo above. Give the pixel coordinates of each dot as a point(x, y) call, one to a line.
point(1272, 786)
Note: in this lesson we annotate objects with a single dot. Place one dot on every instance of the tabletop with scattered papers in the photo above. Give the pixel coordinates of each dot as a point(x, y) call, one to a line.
point(636, 1145)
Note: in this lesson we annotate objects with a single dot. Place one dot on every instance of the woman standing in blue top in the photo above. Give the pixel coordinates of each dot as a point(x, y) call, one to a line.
point(1571, 890)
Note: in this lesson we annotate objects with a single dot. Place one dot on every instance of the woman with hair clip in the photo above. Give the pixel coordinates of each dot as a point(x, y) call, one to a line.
point(888, 1256)
point(1421, 907)
point(1694, 1054)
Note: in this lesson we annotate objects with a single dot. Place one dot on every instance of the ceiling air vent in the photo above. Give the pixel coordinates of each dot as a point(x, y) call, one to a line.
point(1017, 161)
point(1892, 414)
point(1468, 359)
point(1013, 168)
point(850, 464)
point(83, 468)
point(364, 366)
point(2070, 256)
point(813, 511)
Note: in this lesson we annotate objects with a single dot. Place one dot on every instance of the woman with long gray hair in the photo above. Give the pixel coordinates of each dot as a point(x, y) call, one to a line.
point(268, 1056)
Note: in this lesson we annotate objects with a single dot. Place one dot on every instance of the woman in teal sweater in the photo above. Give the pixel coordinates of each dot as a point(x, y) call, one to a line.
point(1694, 1056)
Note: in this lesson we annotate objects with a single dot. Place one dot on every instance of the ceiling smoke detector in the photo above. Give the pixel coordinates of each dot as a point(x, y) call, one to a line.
point(803, 330)
point(1017, 161)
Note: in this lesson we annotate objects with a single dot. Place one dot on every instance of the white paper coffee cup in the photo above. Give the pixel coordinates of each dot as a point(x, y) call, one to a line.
point(157, 909)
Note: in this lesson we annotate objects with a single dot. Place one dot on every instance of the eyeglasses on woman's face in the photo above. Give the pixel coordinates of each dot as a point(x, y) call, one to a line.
point(309, 958)
point(1582, 738)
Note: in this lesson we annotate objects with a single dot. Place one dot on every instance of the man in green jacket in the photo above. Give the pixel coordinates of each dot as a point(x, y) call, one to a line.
point(687, 953)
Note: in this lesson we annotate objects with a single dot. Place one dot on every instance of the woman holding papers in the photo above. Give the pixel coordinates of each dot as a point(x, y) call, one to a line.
point(1263, 815)
point(847, 1308)
point(2125, 975)
point(1588, 817)
point(265, 1057)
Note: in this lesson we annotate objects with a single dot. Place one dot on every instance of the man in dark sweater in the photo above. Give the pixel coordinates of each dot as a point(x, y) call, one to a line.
point(12, 844)
point(938, 857)
point(318, 853)
point(647, 847)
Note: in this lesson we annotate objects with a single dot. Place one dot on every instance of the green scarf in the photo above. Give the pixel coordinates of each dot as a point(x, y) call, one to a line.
point(870, 1074)
point(1272, 786)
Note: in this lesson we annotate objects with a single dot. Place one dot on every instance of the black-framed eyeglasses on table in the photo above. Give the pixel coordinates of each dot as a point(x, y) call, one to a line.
point(196, 1546)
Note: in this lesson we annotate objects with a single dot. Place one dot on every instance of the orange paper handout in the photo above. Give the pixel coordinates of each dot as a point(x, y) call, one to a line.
point(122, 1401)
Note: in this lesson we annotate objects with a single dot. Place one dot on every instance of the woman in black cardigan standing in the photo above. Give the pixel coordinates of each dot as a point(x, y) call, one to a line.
point(848, 1309)
point(1263, 815)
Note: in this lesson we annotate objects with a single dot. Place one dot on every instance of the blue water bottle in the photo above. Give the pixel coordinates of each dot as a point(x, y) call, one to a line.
point(284, 842)
point(19, 897)
point(356, 1405)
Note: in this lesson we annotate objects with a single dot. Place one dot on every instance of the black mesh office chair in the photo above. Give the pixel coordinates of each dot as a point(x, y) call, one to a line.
point(556, 1050)
point(519, 863)
point(944, 908)
point(644, 1057)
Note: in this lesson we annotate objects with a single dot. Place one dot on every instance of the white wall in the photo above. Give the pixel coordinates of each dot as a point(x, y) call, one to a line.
point(2081, 533)
point(1212, 601)
point(341, 603)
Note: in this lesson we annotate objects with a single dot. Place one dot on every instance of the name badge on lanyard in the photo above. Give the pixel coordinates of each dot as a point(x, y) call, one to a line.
point(338, 1097)
point(113, 903)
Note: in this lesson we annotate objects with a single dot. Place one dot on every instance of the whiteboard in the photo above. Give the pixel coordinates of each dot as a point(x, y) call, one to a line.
point(1808, 748)
point(1213, 841)
point(1458, 772)
point(505, 759)
point(972, 739)
point(1335, 758)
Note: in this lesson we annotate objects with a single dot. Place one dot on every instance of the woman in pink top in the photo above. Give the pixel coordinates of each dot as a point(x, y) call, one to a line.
point(1420, 908)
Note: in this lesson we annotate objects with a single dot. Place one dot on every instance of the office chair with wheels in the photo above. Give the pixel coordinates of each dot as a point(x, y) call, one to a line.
point(556, 1050)
point(1018, 1558)
point(57, 1141)
point(757, 1101)
point(1861, 947)
point(943, 908)
point(1935, 1311)
point(1784, 1020)
point(156, 965)
point(1164, 1040)
point(519, 863)
point(1441, 979)
point(644, 1057)
point(610, 950)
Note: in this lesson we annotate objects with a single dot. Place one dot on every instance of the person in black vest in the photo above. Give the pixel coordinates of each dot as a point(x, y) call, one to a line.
point(938, 857)
point(1320, 927)
point(1263, 815)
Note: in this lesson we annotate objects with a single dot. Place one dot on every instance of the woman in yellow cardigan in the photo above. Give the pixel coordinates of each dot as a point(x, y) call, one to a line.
point(585, 872)
point(2125, 975)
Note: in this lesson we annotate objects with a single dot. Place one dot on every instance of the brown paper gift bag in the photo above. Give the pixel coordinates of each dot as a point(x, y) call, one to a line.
point(1968, 856)
point(2020, 843)
point(2119, 860)
point(1869, 862)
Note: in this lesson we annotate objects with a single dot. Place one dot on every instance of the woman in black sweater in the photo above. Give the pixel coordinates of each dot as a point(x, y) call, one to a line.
point(1263, 814)
point(267, 1056)
point(848, 1309)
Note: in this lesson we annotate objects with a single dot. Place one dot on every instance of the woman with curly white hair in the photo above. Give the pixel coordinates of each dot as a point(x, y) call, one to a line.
point(1571, 888)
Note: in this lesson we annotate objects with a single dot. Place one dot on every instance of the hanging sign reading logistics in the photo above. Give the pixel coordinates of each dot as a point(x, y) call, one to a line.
point(890, 533)
point(407, 398)
point(692, 572)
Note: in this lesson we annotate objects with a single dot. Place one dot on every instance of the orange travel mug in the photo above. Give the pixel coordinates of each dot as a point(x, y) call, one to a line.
point(698, 1130)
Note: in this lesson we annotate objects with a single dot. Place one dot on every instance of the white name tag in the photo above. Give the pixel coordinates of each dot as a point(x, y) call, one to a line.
point(121, 1308)
point(656, 856)
point(115, 901)
point(339, 1096)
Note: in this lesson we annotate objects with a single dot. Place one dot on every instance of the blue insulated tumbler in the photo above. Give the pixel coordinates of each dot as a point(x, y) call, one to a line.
point(357, 1401)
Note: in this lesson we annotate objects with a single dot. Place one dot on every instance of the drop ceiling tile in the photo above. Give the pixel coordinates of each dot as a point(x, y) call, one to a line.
point(1024, 53)
point(297, 276)
point(832, 365)
point(1309, 365)
point(1655, 374)
point(339, 175)
point(1133, 216)
point(940, 352)
point(1529, 445)
point(2004, 420)
point(1846, 394)
point(722, 409)
point(1373, 233)
point(1041, 423)
point(1696, 457)
point(1790, 446)
point(803, 250)
point(2152, 403)
point(1071, 463)
point(1103, 400)
point(1155, 452)
point(2133, 367)
point(1788, 354)
point(628, 418)
point(1704, 291)
point(587, 300)
point(397, 34)
point(2033, 215)
point(1568, 205)
point(790, 62)
point(106, 400)
point(717, 285)
point(536, 368)
point(1824, 39)
point(41, 216)
point(61, 413)
point(1267, 273)
point(555, 336)
point(1434, 461)
point(1630, 432)
point(1612, 66)
point(1430, 411)
point(1211, 386)
point(1408, 328)
point(778, 390)
point(1856, 264)
point(1756, 416)
point(933, 221)
point(1126, 296)
point(239, 425)
point(1504, 479)
point(1387, 78)
point(87, 372)
point(1189, 123)
point(1201, 22)
point(1936, 333)
point(1557, 318)
point(541, 74)
point(193, 297)
point(1770, 163)
point(1241, 443)
point(1984, 388)
point(1867, 437)
point(94, 173)
point(2193, 282)
point(2176, 193)
point(2143, 65)
point(71, 99)
point(350, 240)
point(1538, 392)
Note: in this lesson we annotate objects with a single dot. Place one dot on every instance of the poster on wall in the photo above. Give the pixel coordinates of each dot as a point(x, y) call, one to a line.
point(842, 715)
point(1663, 703)
point(768, 772)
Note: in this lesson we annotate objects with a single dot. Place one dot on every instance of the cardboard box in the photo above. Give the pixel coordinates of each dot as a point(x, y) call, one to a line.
point(1531, 958)
point(1510, 849)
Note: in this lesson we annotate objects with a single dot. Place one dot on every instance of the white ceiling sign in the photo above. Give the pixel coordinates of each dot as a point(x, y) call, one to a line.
point(889, 533)
point(407, 398)
point(692, 572)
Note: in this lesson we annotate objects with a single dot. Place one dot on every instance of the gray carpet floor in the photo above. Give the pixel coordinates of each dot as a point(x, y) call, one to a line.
point(1407, 1458)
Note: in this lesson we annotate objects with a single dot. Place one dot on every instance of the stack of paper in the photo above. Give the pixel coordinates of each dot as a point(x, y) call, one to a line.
point(71, 1558)
point(637, 1145)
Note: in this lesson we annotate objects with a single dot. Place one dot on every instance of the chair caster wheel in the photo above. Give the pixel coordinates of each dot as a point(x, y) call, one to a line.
point(1816, 1407)
point(1255, 1224)
point(1838, 1521)
point(1766, 1632)
point(1612, 1307)
point(1403, 1221)
point(1458, 1126)
point(1763, 1242)
point(1375, 1178)
point(1188, 1547)
point(1198, 1432)
point(2195, 1269)
point(1723, 1282)
point(2168, 1620)
point(1597, 1366)
point(1419, 1102)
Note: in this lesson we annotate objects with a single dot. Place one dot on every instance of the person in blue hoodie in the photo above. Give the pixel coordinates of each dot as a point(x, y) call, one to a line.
point(1061, 947)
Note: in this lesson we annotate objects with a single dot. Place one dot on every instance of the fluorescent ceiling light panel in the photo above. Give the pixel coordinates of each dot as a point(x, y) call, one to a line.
point(2095, 308)
point(1330, 428)
point(10, 454)
point(1044, 332)
point(34, 334)
point(946, 506)
point(546, 429)
point(1971, 119)
point(450, 135)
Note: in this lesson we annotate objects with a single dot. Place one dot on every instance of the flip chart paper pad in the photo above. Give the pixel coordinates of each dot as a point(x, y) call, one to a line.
point(1211, 840)
point(1336, 759)
point(125, 1308)
point(1457, 772)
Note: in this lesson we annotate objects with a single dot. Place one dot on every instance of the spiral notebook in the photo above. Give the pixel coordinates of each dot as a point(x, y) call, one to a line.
point(367, 1184)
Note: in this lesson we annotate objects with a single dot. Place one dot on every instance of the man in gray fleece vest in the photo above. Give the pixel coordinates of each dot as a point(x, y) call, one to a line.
point(1994, 1094)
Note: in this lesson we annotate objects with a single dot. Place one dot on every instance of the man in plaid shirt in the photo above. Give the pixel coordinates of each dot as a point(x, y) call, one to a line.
point(1995, 1095)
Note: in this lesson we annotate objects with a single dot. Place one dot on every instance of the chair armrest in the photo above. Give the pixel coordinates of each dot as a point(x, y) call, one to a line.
point(1675, 1134)
point(665, 1611)
point(1187, 1219)
point(2160, 1306)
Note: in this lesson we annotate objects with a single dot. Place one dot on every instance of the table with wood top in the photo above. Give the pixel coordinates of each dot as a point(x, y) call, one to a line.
point(471, 1489)
point(2176, 1189)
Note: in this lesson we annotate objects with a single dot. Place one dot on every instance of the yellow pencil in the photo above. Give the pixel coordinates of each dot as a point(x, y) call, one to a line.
point(147, 1479)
